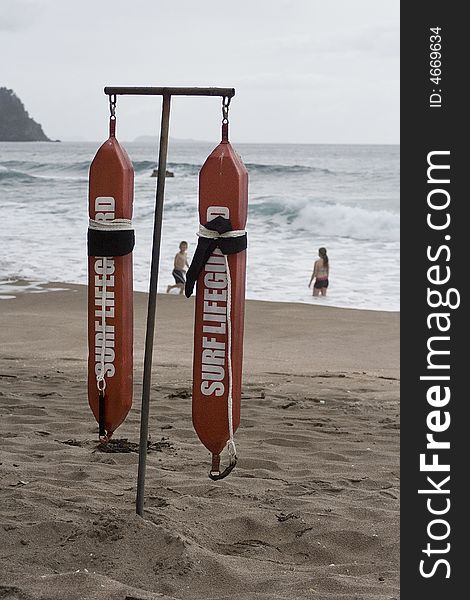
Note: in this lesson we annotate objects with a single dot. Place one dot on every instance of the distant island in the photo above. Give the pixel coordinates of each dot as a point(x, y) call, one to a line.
point(15, 123)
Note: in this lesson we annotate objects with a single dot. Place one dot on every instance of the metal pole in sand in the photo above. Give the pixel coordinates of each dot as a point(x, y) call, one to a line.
point(152, 302)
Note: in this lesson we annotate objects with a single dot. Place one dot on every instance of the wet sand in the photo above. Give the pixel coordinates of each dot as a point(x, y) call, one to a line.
point(311, 511)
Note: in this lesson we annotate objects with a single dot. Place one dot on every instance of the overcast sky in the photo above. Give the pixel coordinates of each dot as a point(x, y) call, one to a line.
point(305, 71)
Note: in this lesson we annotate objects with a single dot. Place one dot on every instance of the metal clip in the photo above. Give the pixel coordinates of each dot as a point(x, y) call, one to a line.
point(225, 105)
point(112, 105)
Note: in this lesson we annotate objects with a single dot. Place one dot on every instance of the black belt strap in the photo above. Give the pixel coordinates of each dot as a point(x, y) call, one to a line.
point(110, 243)
point(206, 246)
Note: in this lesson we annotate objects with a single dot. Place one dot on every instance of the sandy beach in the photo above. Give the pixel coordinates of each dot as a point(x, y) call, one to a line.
point(310, 512)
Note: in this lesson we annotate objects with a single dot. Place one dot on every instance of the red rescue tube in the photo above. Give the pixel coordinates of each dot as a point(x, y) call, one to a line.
point(110, 286)
point(223, 191)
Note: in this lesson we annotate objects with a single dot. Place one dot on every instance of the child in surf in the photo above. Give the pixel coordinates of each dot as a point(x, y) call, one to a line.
point(179, 268)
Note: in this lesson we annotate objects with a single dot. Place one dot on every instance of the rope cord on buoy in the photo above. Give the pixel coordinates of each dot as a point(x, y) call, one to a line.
point(111, 225)
point(217, 233)
point(100, 226)
point(100, 377)
point(232, 450)
point(110, 237)
point(119, 246)
point(214, 235)
point(106, 225)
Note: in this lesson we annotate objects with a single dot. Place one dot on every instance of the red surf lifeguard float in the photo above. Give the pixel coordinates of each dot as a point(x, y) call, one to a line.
point(219, 265)
point(110, 286)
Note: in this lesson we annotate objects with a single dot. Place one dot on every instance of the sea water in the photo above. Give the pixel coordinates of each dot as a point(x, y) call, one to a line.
point(301, 197)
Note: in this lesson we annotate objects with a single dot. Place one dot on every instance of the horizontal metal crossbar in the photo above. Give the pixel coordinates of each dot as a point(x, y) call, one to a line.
point(169, 91)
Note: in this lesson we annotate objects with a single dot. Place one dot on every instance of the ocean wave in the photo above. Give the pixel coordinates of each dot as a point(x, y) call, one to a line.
point(329, 220)
point(285, 169)
point(143, 166)
point(30, 171)
point(80, 169)
point(319, 218)
point(193, 169)
point(15, 177)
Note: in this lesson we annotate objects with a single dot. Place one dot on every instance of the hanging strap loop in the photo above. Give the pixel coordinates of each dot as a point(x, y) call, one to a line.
point(215, 473)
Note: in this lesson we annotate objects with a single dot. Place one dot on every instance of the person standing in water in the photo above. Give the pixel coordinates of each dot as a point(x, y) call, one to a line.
point(321, 271)
point(179, 270)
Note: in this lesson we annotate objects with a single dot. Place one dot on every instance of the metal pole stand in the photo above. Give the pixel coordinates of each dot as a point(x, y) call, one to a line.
point(166, 92)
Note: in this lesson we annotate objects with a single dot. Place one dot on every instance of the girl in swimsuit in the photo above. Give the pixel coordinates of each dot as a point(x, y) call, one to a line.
point(321, 271)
